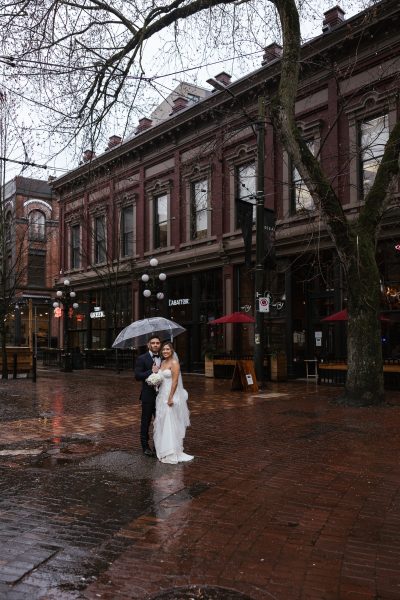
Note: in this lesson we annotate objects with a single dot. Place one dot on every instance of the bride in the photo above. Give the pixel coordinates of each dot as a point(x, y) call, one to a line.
point(172, 414)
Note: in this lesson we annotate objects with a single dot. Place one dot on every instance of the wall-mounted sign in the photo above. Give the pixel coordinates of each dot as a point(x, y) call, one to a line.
point(97, 313)
point(263, 304)
point(179, 302)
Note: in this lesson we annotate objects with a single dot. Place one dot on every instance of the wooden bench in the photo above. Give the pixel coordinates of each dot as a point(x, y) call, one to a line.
point(335, 373)
point(19, 361)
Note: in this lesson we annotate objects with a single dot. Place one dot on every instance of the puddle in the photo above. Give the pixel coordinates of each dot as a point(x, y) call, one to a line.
point(23, 452)
point(202, 593)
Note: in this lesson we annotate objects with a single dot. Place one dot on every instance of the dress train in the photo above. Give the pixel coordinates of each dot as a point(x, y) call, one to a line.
point(171, 422)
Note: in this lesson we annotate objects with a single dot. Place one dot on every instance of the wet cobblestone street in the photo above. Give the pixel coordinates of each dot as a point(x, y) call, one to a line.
point(290, 496)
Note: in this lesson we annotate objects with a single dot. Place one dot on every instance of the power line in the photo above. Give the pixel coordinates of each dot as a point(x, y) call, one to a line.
point(25, 163)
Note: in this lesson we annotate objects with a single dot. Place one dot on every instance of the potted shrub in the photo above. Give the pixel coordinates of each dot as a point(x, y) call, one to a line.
point(209, 361)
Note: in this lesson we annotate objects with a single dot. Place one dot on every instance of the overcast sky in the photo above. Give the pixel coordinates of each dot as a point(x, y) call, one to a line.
point(166, 72)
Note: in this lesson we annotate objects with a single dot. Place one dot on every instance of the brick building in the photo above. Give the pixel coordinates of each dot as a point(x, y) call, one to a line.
point(31, 217)
point(171, 191)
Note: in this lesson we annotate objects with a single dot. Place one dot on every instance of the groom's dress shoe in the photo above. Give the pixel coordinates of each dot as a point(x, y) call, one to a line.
point(149, 452)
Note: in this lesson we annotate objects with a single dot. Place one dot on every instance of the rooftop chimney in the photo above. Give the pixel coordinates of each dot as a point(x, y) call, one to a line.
point(144, 124)
point(271, 52)
point(179, 104)
point(224, 78)
point(88, 155)
point(113, 141)
point(334, 16)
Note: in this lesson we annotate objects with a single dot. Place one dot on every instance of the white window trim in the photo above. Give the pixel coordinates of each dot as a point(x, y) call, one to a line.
point(371, 105)
point(160, 188)
point(72, 224)
point(198, 174)
point(94, 238)
point(244, 155)
point(310, 131)
point(122, 207)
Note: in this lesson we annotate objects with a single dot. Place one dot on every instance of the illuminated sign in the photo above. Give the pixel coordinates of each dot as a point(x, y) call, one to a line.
point(97, 313)
point(179, 302)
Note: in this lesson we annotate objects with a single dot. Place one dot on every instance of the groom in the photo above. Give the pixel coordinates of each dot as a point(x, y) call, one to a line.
point(145, 365)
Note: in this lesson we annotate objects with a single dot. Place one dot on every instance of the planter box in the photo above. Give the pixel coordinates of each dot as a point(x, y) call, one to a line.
point(209, 367)
point(279, 367)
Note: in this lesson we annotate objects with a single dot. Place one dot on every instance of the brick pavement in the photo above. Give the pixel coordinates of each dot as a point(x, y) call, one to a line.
point(289, 496)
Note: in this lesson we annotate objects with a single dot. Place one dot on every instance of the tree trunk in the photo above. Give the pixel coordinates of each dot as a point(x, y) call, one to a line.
point(364, 384)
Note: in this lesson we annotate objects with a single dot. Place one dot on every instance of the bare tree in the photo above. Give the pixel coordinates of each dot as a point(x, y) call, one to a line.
point(101, 46)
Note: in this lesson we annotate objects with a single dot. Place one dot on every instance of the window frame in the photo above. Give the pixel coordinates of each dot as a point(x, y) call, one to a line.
point(373, 158)
point(239, 186)
point(99, 243)
point(158, 240)
point(75, 246)
point(298, 187)
point(195, 211)
point(126, 235)
point(36, 228)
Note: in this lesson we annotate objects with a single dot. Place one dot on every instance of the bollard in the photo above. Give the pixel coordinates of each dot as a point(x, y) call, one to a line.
point(34, 368)
point(15, 360)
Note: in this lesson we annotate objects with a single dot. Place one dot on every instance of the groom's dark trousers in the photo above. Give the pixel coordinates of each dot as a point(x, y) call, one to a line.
point(144, 368)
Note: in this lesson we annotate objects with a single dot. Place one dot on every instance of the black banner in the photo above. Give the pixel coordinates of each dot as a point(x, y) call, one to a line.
point(245, 220)
point(269, 238)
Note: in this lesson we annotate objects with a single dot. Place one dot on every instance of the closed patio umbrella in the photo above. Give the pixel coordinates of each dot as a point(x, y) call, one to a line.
point(343, 315)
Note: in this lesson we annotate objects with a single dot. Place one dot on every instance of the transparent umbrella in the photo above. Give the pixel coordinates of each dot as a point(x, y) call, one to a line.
point(139, 332)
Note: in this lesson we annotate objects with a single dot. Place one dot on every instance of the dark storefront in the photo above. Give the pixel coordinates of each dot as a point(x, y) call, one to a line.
point(101, 315)
point(193, 300)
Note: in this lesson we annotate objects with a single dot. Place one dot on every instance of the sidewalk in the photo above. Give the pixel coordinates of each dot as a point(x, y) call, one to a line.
point(290, 497)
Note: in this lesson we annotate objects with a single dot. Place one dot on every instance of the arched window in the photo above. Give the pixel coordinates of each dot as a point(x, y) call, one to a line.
point(37, 222)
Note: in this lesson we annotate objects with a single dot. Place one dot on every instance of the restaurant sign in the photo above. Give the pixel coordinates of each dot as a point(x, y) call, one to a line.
point(179, 302)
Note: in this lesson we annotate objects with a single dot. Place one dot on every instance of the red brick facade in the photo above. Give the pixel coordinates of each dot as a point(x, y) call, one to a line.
point(350, 76)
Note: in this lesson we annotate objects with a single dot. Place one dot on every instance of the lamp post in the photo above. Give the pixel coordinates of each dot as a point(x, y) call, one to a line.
point(260, 246)
point(66, 297)
point(153, 281)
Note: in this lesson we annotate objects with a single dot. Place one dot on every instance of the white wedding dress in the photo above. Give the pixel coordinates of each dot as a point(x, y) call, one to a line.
point(171, 421)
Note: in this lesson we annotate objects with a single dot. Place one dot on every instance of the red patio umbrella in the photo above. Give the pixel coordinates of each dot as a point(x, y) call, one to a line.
point(342, 315)
point(235, 317)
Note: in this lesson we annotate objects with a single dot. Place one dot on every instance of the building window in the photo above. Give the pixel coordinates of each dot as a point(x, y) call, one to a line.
point(161, 221)
point(301, 197)
point(373, 136)
point(193, 98)
point(127, 231)
point(199, 209)
point(37, 269)
point(37, 226)
point(75, 257)
point(99, 239)
point(246, 187)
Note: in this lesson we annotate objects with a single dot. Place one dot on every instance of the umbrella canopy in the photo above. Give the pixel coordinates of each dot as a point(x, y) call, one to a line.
point(342, 315)
point(139, 332)
point(235, 317)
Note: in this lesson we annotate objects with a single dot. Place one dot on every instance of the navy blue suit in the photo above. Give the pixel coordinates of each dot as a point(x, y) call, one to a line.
point(144, 368)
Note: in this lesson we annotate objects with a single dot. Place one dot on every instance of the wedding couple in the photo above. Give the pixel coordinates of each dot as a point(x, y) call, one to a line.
point(164, 398)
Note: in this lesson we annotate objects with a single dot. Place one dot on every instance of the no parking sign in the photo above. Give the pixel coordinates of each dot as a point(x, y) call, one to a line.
point(263, 304)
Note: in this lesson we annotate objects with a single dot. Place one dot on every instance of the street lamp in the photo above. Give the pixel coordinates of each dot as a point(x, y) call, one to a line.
point(153, 281)
point(66, 298)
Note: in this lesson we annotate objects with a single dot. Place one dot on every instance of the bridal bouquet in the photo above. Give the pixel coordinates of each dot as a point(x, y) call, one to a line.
point(154, 380)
